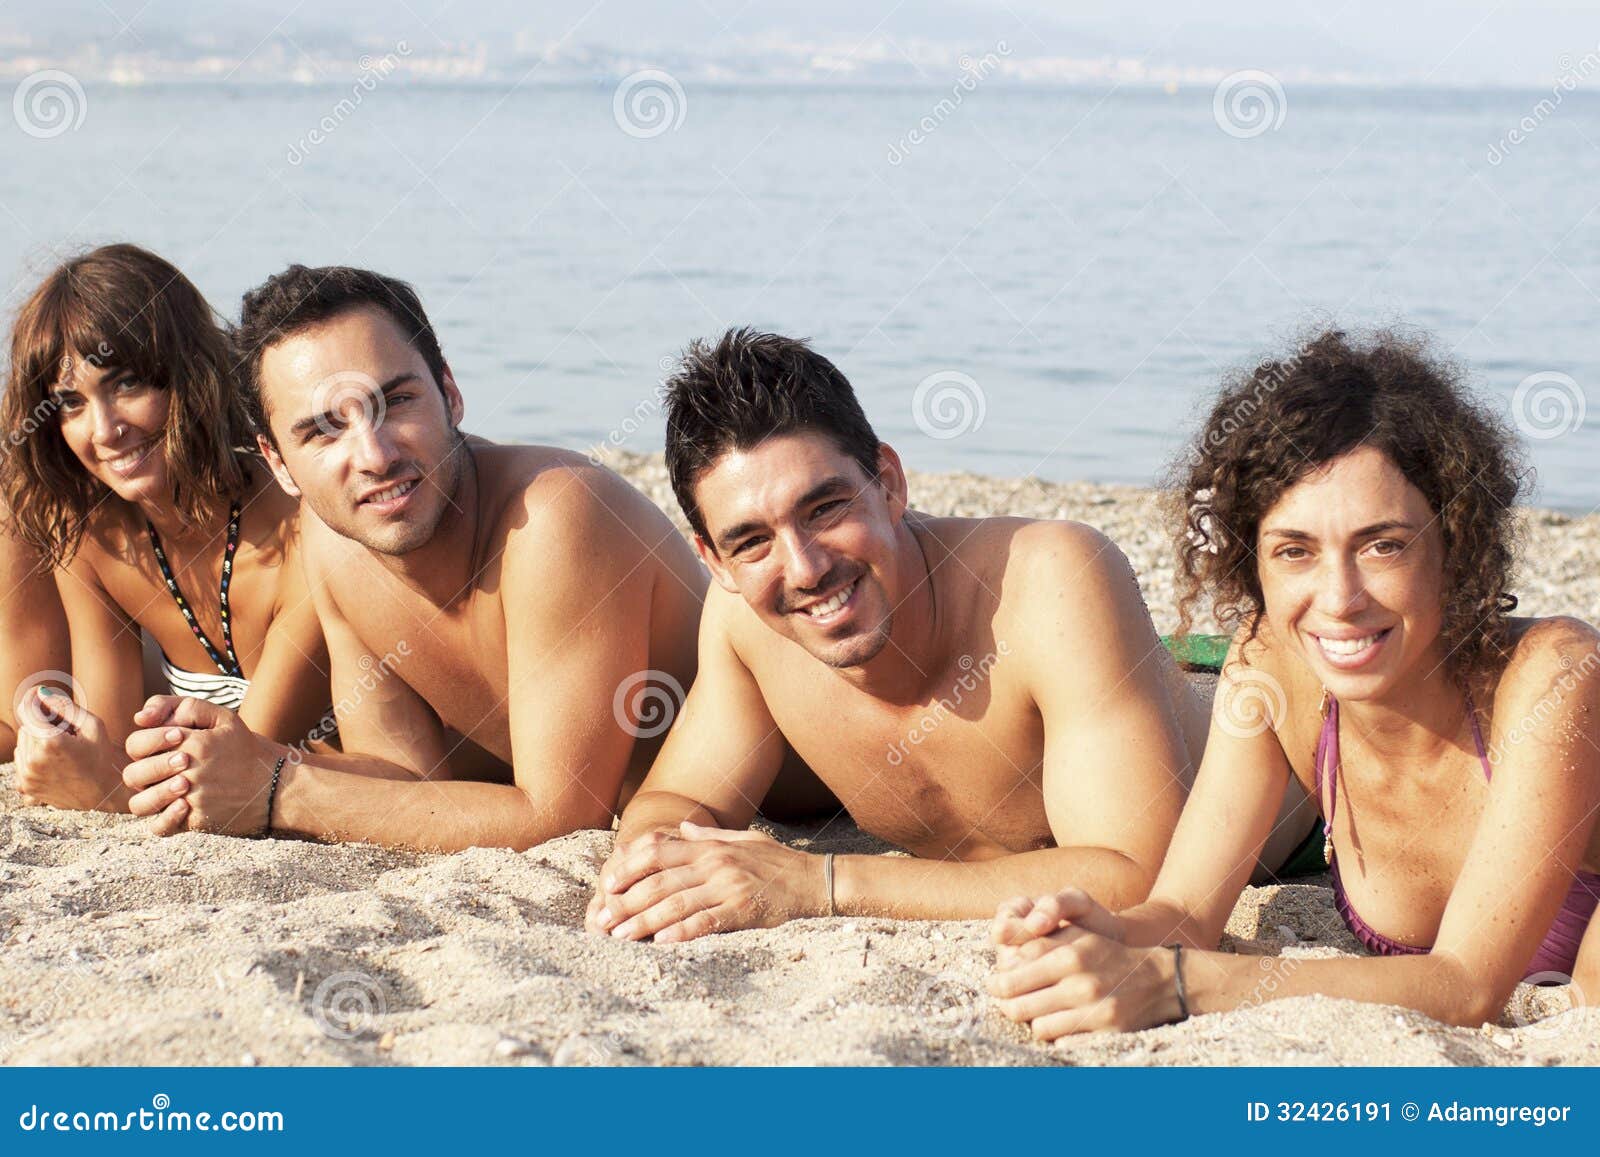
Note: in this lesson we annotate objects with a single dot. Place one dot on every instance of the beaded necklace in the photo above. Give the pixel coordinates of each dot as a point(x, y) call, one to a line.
point(231, 667)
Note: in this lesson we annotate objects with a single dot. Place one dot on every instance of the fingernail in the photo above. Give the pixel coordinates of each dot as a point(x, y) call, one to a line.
point(173, 735)
point(178, 760)
point(609, 883)
point(621, 931)
point(603, 918)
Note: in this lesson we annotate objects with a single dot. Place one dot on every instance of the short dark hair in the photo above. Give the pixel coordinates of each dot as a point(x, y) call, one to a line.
point(302, 297)
point(748, 387)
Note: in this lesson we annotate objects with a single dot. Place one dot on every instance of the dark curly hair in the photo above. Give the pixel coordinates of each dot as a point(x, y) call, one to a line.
point(1276, 422)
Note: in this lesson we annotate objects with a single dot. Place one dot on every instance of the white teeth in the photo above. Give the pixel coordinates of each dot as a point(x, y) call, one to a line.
point(818, 610)
point(392, 492)
point(1347, 646)
point(132, 458)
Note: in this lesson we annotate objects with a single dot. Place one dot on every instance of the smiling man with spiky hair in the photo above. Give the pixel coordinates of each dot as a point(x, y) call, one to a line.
point(987, 693)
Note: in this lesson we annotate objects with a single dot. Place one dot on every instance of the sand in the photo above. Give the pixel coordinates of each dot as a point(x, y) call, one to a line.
point(119, 948)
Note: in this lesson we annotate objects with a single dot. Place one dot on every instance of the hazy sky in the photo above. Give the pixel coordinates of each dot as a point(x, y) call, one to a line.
point(1449, 41)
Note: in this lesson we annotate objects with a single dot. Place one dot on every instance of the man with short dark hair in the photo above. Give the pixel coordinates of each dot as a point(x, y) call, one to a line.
point(493, 611)
point(987, 693)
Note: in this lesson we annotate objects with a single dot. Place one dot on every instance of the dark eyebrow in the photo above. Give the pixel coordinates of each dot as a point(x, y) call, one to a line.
point(325, 419)
point(827, 486)
point(1365, 532)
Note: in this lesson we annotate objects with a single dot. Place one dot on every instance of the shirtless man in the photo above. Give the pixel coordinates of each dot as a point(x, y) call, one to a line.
point(508, 606)
point(987, 693)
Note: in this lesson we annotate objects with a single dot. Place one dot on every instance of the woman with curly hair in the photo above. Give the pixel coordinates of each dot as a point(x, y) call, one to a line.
point(1356, 526)
point(129, 472)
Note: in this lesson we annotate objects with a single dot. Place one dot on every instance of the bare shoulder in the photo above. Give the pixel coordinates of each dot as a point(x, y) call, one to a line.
point(1045, 571)
point(553, 508)
point(1556, 655)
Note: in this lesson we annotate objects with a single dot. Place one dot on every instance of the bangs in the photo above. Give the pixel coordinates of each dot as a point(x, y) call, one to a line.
point(77, 326)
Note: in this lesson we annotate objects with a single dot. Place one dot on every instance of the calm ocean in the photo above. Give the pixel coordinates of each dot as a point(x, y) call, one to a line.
point(1044, 281)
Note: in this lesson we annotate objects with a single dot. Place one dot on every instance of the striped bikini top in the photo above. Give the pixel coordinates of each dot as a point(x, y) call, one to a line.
point(223, 690)
point(228, 686)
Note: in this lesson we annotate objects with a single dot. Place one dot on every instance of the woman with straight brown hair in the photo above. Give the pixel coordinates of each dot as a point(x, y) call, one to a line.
point(129, 472)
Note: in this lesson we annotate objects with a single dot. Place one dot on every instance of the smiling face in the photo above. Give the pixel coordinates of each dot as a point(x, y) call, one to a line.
point(363, 434)
point(1351, 561)
point(800, 532)
point(115, 425)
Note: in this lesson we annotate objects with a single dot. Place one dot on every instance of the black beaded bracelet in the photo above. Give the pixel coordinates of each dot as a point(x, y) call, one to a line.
point(272, 792)
point(1177, 980)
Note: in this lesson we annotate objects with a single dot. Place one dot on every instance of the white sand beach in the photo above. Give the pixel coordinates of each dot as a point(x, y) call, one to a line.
point(118, 948)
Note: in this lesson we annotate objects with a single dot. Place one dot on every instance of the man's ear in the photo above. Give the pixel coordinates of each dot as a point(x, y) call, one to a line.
point(892, 477)
point(275, 464)
point(715, 565)
point(452, 397)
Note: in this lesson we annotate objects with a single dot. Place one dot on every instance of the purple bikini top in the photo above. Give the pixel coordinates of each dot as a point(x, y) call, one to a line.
point(1556, 954)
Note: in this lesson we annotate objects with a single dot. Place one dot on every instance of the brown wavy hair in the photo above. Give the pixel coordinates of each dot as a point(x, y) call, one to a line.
point(1273, 424)
point(118, 307)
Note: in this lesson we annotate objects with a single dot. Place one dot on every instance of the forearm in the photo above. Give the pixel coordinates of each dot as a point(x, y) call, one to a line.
point(652, 811)
point(1160, 921)
point(1433, 984)
point(328, 803)
point(915, 889)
